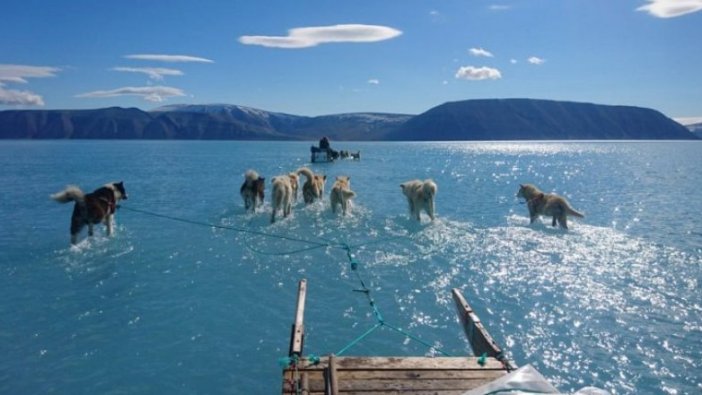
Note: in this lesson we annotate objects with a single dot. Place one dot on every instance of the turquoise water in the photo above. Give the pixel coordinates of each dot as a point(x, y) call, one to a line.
point(175, 307)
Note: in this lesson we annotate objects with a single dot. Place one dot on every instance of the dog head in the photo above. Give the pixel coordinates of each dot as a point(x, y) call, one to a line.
point(120, 192)
point(527, 191)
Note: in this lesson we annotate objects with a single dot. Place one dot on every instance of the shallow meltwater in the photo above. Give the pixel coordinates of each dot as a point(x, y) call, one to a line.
point(194, 294)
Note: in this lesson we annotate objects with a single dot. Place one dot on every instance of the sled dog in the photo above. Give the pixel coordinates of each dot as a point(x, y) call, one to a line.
point(92, 208)
point(420, 196)
point(341, 194)
point(546, 204)
point(252, 190)
point(313, 188)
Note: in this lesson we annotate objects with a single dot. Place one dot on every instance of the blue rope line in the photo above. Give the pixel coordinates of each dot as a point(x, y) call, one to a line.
point(358, 339)
point(234, 228)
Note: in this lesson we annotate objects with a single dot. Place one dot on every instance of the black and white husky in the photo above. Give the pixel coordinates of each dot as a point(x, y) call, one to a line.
point(92, 208)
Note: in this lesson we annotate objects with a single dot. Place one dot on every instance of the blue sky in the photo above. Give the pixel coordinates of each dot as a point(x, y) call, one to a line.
point(326, 57)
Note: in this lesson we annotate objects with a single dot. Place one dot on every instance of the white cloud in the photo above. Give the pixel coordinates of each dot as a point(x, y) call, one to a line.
point(671, 8)
point(434, 13)
point(19, 73)
point(169, 58)
point(149, 93)
point(478, 73)
point(305, 37)
point(155, 73)
point(480, 52)
point(513, 61)
point(499, 7)
point(374, 81)
point(13, 97)
point(536, 60)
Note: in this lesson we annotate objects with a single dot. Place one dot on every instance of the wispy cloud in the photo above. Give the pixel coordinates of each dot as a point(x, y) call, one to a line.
point(374, 81)
point(155, 73)
point(12, 97)
point(478, 73)
point(499, 7)
point(305, 37)
point(19, 74)
point(513, 61)
point(536, 60)
point(671, 8)
point(169, 58)
point(149, 93)
point(480, 52)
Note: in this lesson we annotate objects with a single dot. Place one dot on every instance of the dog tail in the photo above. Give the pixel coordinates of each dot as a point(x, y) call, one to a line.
point(348, 194)
point(71, 193)
point(573, 212)
point(251, 175)
point(429, 188)
point(305, 172)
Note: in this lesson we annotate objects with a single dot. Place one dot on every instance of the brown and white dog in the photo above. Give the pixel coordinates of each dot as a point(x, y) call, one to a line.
point(420, 196)
point(547, 204)
point(294, 183)
point(341, 194)
point(92, 208)
point(282, 196)
point(313, 188)
point(252, 190)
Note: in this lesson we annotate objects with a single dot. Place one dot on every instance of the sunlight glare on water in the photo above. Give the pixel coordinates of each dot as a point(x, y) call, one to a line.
point(183, 307)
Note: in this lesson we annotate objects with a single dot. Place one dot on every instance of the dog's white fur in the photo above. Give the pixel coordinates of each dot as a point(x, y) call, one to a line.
point(313, 188)
point(295, 184)
point(341, 194)
point(420, 196)
point(282, 196)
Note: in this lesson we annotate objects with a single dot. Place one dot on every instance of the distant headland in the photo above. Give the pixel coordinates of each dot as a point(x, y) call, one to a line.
point(483, 119)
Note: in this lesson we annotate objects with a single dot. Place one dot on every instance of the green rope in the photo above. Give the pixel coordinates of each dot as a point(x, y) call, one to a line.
point(234, 228)
point(358, 339)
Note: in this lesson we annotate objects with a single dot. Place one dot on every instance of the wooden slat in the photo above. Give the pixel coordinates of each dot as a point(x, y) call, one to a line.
point(298, 331)
point(480, 340)
point(331, 382)
point(408, 363)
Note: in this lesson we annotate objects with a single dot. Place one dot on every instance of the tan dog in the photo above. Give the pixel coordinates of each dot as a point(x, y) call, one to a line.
point(313, 188)
point(546, 204)
point(341, 193)
point(282, 196)
point(92, 208)
point(294, 183)
point(420, 196)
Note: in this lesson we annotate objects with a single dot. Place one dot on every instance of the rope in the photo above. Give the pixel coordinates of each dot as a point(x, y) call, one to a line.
point(376, 312)
point(226, 227)
point(292, 361)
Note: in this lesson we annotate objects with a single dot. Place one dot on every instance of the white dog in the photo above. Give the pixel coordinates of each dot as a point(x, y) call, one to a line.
point(341, 193)
point(420, 196)
point(282, 196)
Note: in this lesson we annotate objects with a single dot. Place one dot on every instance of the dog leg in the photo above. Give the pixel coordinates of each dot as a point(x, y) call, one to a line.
point(108, 223)
point(553, 222)
point(563, 221)
point(90, 229)
point(430, 209)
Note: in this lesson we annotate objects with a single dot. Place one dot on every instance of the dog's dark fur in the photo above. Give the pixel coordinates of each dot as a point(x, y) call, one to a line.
point(252, 190)
point(92, 208)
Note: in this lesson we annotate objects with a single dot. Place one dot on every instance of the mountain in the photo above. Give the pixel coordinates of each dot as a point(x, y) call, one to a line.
point(494, 119)
point(696, 129)
point(530, 119)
